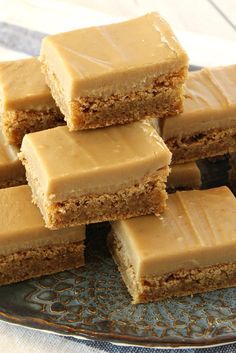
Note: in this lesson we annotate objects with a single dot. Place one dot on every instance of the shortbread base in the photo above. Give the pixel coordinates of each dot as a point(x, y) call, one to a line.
point(17, 123)
point(32, 263)
point(204, 145)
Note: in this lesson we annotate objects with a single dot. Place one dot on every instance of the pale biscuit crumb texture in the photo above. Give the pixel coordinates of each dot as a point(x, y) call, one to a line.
point(209, 144)
point(17, 123)
point(33, 263)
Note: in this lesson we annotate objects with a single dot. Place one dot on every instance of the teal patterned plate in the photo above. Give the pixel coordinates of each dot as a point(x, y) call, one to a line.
point(93, 303)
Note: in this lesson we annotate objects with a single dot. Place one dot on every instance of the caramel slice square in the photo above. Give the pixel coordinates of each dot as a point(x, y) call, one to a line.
point(188, 249)
point(96, 175)
point(207, 126)
point(115, 74)
point(12, 172)
point(184, 176)
point(27, 248)
point(26, 104)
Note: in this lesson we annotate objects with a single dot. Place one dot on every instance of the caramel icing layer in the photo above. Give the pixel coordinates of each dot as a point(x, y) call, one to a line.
point(198, 229)
point(67, 164)
point(10, 165)
point(22, 226)
point(22, 86)
point(210, 103)
point(186, 175)
point(127, 54)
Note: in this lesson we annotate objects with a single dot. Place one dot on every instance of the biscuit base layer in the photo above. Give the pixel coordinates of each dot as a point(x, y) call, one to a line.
point(13, 182)
point(204, 145)
point(146, 197)
point(164, 97)
point(17, 123)
point(176, 284)
point(40, 261)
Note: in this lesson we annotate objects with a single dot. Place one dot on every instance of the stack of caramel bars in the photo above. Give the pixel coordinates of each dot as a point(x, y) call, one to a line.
point(98, 123)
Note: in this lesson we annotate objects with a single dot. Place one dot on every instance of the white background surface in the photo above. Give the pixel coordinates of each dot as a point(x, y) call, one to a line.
point(206, 29)
point(206, 34)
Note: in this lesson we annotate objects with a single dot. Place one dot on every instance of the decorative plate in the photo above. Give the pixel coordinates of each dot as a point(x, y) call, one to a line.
point(93, 302)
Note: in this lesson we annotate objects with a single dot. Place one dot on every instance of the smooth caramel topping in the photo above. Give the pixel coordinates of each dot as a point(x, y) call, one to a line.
point(22, 86)
point(127, 53)
point(224, 79)
point(210, 103)
point(198, 229)
point(186, 175)
point(10, 165)
point(68, 164)
point(22, 226)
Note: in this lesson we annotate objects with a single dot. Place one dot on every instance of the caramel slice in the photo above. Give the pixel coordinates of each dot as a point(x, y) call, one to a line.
point(189, 249)
point(26, 104)
point(96, 175)
point(115, 74)
point(12, 172)
point(207, 127)
point(184, 176)
point(27, 248)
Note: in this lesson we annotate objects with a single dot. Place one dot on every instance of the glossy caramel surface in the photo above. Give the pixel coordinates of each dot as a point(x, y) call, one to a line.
point(10, 165)
point(112, 57)
point(22, 226)
point(186, 175)
point(198, 229)
point(68, 164)
point(22, 86)
point(210, 103)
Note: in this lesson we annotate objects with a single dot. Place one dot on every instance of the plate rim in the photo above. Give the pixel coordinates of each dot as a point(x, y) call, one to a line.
point(80, 333)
